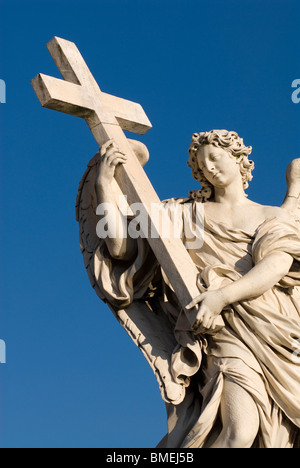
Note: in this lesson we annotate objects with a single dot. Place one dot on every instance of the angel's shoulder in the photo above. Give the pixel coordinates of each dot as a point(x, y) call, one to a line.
point(276, 212)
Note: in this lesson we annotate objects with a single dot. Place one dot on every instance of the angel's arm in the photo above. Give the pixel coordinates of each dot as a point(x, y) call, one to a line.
point(292, 198)
point(120, 245)
point(263, 276)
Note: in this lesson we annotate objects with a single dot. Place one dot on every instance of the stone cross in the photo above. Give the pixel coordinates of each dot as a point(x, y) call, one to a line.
point(107, 116)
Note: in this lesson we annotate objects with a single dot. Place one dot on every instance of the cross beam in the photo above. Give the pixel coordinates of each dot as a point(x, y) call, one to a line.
point(81, 96)
point(107, 117)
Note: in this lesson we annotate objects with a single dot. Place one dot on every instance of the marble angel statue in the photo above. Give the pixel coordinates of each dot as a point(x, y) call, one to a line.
point(235, 386)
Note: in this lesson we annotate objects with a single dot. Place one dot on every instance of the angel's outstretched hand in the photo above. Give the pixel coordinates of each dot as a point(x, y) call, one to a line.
point(210, 304)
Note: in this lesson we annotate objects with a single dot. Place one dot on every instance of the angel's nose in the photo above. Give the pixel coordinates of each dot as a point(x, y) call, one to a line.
point(209, 166)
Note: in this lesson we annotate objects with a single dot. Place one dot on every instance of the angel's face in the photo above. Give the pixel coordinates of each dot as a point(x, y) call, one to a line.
point(219, 167)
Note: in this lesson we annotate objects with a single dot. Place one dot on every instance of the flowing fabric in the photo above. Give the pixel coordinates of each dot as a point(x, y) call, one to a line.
point(258, 347)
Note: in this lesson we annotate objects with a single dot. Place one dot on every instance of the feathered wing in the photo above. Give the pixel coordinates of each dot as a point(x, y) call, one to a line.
point(147, 325)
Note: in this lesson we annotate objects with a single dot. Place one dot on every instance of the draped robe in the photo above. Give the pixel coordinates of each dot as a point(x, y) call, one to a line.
point(257, 349)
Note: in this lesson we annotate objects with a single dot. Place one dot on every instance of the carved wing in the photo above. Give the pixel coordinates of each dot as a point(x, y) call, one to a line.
point(147, 325)
point(292, 200)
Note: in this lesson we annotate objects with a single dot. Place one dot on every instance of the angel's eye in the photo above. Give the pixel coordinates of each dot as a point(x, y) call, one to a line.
point(215, 157)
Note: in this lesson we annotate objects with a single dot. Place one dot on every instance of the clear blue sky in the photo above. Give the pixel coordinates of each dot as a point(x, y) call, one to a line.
point(73, 378)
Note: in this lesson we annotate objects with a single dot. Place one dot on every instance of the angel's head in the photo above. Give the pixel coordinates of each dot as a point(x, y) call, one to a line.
point(215, 157)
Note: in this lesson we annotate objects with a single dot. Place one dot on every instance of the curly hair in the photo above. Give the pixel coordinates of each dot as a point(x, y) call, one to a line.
point(229, 141)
